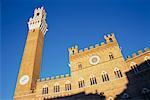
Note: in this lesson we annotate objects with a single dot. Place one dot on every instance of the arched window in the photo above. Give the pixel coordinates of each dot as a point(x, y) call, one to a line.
point(111, 56)
point(110, 39)
point(146, 93)
point(81, 83)
point(45, 89)
point(118, 73)
point(134, 67)
point(73, 52)
point(79, 66)
point(105, 76)
point(68, 85)
point(93, 80)
point(56, 87)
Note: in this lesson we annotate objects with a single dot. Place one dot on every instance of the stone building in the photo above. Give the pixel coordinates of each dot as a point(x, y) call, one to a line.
point(97, 72)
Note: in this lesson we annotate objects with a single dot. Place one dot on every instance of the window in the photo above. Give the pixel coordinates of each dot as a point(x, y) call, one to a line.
point(45, 89)
point(73, 52)
point(68, 86)
point(110, 39)
point(38, 14)
point(93, 80)
point(105, 76)
point(56, 88)
point(134, 67)
point(118, 73)
point(111, 56)
point(81, 83)
point(80, 66)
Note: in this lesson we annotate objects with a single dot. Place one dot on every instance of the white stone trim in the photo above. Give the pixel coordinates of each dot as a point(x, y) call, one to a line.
point(38, 20)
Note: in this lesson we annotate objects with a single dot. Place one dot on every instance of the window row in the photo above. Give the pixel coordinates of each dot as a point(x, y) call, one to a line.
point(135, 67)
point(81, 82)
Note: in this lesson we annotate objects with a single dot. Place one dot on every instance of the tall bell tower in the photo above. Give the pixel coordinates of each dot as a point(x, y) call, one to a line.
point(30, 65)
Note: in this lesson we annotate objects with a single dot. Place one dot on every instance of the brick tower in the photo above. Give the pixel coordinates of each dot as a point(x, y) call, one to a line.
point(30, 66)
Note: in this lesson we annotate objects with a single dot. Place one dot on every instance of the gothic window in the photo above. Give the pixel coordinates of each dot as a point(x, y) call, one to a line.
point(105, 76)
point(93, 80)
point(81, 83)
point(146, 93)
point(56, 88)
point(118, 73)
point(134, 67)
point(80, 66)
point(68, 86)
point(45, 89)
point(111, 56)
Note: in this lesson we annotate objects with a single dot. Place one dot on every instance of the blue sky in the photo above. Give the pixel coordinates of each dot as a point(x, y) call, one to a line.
point(69, 22)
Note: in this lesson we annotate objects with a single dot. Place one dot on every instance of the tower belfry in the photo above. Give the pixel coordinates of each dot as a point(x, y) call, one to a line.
point(31, 61)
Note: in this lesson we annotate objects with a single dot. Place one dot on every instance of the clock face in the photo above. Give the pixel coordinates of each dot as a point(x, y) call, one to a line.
point(94, 60)
point(24, 79)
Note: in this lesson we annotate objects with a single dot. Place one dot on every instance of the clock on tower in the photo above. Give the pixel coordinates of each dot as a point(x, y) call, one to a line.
point(31, 60)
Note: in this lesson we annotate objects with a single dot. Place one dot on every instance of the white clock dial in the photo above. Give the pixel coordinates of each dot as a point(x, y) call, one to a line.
point(94, 60)
point(24, 79)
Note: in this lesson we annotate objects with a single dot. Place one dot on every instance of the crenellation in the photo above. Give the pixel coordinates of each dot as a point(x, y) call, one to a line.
point(140, 52)
point(91, 47)
point(109, 35)
point(80, 51)
point(128, 57)
point(146, 49)
point(67, 75)
point(38, 20)
point(47, 78)
point(52, 78)
point(110, 38)
point(86, 49)
point(102, 43)
point(133, 55)
point(57, 77)
point(62, 76)
point(74, 49)
point(43, 79)
point(96, 45)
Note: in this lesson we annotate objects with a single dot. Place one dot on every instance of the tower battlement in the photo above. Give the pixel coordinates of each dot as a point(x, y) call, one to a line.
point(38, 20)
point(136, 54)
point(109, 39)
